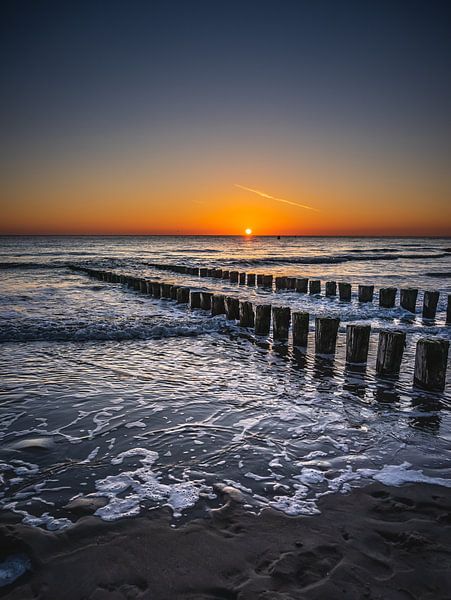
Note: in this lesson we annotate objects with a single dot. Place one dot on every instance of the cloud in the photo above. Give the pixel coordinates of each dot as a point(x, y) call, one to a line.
point(263, 195)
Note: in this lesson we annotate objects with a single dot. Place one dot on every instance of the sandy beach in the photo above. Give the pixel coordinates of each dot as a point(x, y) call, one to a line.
point(377, 542)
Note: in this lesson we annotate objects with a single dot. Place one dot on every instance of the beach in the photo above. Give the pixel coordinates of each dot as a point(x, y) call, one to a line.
point(154, 450)
point(377, 542)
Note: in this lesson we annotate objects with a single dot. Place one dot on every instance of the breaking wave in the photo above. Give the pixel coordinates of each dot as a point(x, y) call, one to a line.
point(34, 330)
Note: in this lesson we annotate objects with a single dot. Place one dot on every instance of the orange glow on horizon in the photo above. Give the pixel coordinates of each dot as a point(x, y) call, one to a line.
point(248, 231)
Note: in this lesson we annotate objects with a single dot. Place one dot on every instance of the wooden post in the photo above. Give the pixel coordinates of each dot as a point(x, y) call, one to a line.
point(357, 343)
point(344, 291)
point(217, 305)
point(166, 290)
point(389, 352)
point(260, 280)
point(203, 272)
point(217, 273)
point(302, 285)
point(210, 272)
point(448, 310)
point(366, 293)
point(143, 286)
point(194, 299)
point(408, 299)
point(226, 274)
point(300, 328)
point(267, 281)
point(431, 358)
point(251, 279)
point(174, 289)
point(291, 283)
point(232, 306)
point(326, 329)
point(281, 283)
point(281, 316)
point(205, 300)
point(246, 314)
point(183, 295)
point(242, 278)
point(387, 297)
point(233, 276)
point(331, 288)
point(314, 286)
point(430, 301)
point(262, 319)
point(156, 289)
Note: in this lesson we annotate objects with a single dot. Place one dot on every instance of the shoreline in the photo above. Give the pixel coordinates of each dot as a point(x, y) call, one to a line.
point(376, 542)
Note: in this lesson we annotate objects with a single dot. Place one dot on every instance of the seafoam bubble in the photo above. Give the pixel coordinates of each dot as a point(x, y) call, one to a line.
point(143, 485)
point(13, 567)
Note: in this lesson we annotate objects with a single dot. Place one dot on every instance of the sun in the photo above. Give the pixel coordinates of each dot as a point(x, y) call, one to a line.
point(248, 231)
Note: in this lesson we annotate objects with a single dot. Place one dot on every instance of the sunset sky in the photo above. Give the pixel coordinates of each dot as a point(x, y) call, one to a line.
point(208, 117)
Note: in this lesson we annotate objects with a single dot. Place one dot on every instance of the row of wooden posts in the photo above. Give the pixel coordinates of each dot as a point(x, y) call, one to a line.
point(431, 353)
point(387, 296)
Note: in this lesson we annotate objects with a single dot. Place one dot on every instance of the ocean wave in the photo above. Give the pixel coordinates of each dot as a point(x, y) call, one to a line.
point(443, 275)
point(31, 265)
point(33, 330)
point(320, 260)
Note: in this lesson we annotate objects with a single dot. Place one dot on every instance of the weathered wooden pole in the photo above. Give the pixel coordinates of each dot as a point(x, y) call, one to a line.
point(174, 289)
point(232, 306)
point(262, 319)
point(387, 297)
point(156, 289)
point(291, 283)
point(431, 358)
point(210, 272)
point(448, 310)
point(226, 274)
point(246, 314)
point(430, 301)
point(344, 291)
point(281, 283)
point(300, 325)
point(389, 352)
point(281, 316)
point(143, 286)
point(242, 278)
point(331, 288)
point(203, 272)
point(194, 299)
point(217, 273)
point(314, 286)
point(326, 329)
point(357, 343)
point(267, 281)
point(233, 276)
point(205, 300)
point(302, 285)
point(408, 299)
point(217, 305)
point(183, 295)
point(166, 290)
point(366, 293)
point(260, 279)
point(251, 279)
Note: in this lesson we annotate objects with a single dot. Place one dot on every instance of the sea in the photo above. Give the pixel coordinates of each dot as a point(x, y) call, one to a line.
point(107, 393)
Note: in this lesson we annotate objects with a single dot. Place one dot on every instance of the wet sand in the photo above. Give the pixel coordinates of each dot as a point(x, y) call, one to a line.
point(377, 542)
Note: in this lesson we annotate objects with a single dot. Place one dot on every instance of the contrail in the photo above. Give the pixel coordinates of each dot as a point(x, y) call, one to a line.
point(263, 195)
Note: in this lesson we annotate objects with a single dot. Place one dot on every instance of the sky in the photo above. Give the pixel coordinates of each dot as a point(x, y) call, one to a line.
point(210, 117)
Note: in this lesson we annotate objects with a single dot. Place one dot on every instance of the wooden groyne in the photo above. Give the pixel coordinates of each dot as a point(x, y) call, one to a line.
point(431, 353)
point(365, 293)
